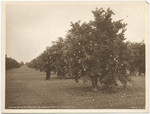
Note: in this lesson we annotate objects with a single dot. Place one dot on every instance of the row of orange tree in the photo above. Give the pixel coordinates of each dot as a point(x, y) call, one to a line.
point(12, 63)
point(136, 57)
point(94, 49)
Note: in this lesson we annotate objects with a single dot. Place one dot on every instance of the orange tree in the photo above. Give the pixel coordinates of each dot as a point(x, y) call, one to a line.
point(52, 59)
point(97, 49)
point(44, 62)
point(60, 62)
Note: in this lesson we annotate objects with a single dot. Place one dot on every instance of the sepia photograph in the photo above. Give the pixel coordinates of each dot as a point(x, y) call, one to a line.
point(75, 56)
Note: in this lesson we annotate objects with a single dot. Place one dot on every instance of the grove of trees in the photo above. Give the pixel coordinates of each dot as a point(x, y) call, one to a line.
point(96, 50)
point(136, 57)
point(12, 63)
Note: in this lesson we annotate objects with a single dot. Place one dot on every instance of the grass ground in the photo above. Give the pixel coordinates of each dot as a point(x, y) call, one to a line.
point(27, 88)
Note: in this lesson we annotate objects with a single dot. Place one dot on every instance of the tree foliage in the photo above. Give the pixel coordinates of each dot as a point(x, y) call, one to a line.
point(97, 49)
point(11, 63)
point(136, 58)
point(94, 49)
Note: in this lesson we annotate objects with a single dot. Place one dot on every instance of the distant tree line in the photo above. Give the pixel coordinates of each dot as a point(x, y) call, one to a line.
point(96, 50)
point(12, 63)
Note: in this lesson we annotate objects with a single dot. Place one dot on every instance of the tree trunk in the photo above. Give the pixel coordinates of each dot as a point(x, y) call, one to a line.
point(94, 83)
point(47, 74)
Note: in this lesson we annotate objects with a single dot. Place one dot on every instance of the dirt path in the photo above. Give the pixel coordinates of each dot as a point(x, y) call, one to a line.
point(27, 88)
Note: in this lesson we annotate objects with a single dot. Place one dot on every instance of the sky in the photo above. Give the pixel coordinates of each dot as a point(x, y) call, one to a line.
point(30, 27)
